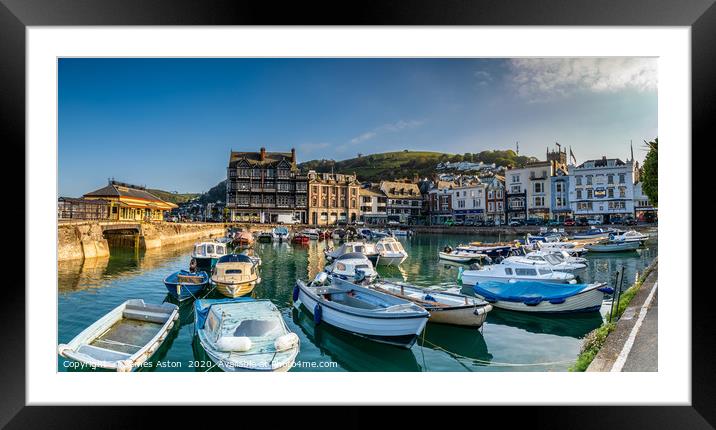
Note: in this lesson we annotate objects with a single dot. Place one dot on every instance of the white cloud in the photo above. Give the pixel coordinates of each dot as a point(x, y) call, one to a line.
point(549, 78)
point(482, 77)
point(386, 128)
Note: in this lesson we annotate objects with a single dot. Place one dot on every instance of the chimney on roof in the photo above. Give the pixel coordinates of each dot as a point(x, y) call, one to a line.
point(293, 155)
point(604, 157)
point(262, 154)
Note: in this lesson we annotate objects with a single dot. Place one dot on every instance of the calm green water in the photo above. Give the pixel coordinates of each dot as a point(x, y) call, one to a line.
point(508, 341)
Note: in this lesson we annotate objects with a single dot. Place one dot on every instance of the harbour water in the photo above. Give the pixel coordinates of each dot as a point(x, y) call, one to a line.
point(508, 341)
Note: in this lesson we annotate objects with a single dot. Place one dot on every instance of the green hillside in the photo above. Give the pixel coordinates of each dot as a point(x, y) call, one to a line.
point(406, 164)
point(174, 197)
point(390, 165)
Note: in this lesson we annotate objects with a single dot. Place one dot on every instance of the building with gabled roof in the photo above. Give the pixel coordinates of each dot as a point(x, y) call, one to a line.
point(404, 201)
point(130, 202)
point(265, 187)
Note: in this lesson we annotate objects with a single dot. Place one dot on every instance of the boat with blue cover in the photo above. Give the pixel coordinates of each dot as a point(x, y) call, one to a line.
point(184, 284)
point(245, 334)
point(592, 233)
point(535, 296)
point(360, 310)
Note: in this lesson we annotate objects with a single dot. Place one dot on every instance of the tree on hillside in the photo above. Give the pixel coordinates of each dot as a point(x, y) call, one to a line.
point(650, 175)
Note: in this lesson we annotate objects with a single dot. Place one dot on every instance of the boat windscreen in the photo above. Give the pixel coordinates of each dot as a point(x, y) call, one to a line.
point(255, 328)
point(235, 258)
point(351, 255)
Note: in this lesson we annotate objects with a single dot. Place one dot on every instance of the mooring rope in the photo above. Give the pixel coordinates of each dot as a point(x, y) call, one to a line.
point(495, 363)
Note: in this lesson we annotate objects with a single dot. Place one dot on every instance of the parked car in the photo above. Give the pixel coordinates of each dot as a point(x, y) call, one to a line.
point(630, 220)
point(515, 223)
point(581, 221)
point(449, 222)
point(534, 221)
point(569, 222)
point(554, 222)
point(593, 222)
point(616, 220)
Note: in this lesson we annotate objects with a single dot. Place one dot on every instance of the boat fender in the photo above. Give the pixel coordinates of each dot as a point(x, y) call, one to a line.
point(606, 290)
point(429, 298)
point(459, 274)
point(557, 301)
point(233, 343)
point(317, 314)
point(61, 348)
point(286, 342)
point(295, 293)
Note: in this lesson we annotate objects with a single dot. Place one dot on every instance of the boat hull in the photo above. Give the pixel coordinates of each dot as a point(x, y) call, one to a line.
point(470, 316)
point(611, 247)
point(472, 279)
point(235, 290)
point(457, 258)
point(206, 263)
point(397, 331)
point(390, 260)
point(588, 301)
point(183, 292)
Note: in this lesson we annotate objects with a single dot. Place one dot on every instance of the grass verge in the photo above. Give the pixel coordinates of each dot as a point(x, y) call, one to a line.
point(595, 339)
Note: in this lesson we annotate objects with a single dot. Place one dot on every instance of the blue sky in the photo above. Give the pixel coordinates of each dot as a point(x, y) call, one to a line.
point(171, 123)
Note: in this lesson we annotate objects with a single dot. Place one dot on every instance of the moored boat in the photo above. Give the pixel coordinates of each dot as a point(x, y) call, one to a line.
point(629, 236)
point(124, 338)
point(365, 248)
point(359, 310)
point(352, 266)
point(300, 238)
point(546, 260)
point(206, 254)
point(281, 233)
point(461, 254)
point(312, 233)
point(390, 252)
point(267, 236)
point(612, 246)
point(592, 233)
point(184, 284)
point(513, 271)
point(243, 239)
point(444, 307)
point(245, 334)
point(529, 296)
point(235, 275)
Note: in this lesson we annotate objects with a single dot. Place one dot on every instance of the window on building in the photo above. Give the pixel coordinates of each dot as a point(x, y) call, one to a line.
point(590, 194)
point(539, 201)
point(539, 187)
point(610, 192)
point(622, 178)
point(578, 180)
point(610, 179)
point(589, 179)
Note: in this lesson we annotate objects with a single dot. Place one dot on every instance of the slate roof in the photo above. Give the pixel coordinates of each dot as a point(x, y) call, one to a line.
point(400, 190)
point(272, 159)
point(118, 189)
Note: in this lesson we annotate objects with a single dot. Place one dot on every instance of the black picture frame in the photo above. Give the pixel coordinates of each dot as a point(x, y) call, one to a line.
point(700, 15)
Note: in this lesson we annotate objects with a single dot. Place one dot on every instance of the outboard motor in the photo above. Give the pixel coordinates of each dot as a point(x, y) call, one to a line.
point(475, 266)
point(359, 276)
point(192, 265)
point(488, 260)
point(498, 259)
point(447, 249)
point(320, 279)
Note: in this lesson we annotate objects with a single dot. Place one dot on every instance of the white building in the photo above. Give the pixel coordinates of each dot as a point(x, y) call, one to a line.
point(600, 189)
point(642, 205)
point(373, 205)
point(534, 179)
point(468, 202)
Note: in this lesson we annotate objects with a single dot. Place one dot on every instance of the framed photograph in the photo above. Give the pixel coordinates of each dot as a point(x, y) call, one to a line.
point(457, 207)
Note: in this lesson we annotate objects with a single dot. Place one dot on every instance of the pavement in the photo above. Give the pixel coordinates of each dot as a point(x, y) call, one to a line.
point(633, 345)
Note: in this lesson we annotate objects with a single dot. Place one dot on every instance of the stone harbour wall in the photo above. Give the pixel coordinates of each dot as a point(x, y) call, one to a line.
point(87, 239)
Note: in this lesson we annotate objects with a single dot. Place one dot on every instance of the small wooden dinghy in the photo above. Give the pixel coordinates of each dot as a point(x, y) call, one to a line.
point(360, 310)
point(245, 334)
point(184, 285)
point(123, 339)
point(444, 307)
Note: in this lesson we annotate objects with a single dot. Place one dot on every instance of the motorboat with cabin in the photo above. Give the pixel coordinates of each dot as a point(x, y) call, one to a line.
point(546, 260)
point(461, 254)
point(235, 275)
point(281, 233)
point(365, 248)
point(352, 265)
point(609, 246)
point(390, 252)
point(593, 233)
point(206, 254)
point(629, 236)
point(511, 271)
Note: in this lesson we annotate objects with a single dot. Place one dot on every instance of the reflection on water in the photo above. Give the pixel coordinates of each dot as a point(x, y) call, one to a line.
point(89, 289)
